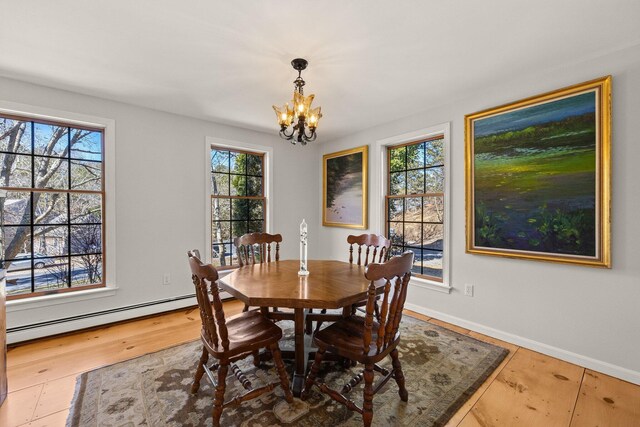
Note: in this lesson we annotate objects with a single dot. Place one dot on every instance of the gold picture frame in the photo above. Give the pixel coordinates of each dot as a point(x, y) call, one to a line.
point(344, 188)
point(538, 177)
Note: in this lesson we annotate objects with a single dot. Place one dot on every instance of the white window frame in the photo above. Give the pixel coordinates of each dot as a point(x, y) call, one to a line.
point(268, 184)
point(109, 159)
point(380, 193)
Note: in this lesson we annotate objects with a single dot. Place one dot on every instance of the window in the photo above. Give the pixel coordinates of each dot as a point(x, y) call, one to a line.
point(52, 199)
point(415, 204)
point(238, 203)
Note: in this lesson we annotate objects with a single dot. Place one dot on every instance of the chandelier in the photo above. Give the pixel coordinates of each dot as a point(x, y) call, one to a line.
point(300, 117)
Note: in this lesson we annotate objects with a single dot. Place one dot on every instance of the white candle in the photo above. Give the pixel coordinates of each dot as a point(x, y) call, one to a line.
point(303, 249)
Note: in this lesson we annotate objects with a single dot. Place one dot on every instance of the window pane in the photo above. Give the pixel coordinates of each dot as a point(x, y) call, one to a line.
point(51, 173)
point(254, 165)
point(86, 175)
point(434, 152)
point(221, 254)
point(238, 162)
point(86, 208)
point(396, 250)
point(256, 227)
point(16, 208)
point(51, 208)
point(86, 144)
point(432, 236)
point(432, 263)
point(19, 168)
point(396, 159)
point(50, 140)
point(415, 181)
point(239, 228)
point(396, 209)
point(220, 209)
point(51, 274)
point(415, 156)
point(396, 233)
point(238, 185)
point(221, 231)
point(398, 181)
point(256, 210)
point(86, 239)
point(254, 186)
point(18, 281)
point(86, 270)
point(240, 209)
point(434, 178)
point(219, 161)
point(17, 242)
point(417, 260)
point(219, 184)
point(412, 233)
point(50, 241)
point(15, 136)
point(413, 209)
point(434, 209)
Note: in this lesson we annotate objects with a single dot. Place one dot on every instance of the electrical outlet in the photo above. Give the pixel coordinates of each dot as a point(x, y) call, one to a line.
point(166, 279)
point(468, 290)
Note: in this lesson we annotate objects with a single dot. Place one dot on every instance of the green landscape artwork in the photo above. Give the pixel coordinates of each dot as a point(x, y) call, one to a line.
point(534, 178)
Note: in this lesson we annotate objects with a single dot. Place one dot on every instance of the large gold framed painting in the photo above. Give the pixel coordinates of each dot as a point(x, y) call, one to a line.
point(538, 177)
point(344, 188)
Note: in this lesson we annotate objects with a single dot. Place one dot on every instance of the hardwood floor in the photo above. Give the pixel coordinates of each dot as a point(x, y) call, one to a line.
point(527, 389)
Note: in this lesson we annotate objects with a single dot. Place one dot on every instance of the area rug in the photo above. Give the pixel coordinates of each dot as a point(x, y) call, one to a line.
point(442, 370)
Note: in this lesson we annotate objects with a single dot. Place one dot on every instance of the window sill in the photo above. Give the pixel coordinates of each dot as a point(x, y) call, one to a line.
point(64, 298)
point(430, 284)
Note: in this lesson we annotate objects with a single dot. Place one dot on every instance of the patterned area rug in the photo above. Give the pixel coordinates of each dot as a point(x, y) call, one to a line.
point(442, 370)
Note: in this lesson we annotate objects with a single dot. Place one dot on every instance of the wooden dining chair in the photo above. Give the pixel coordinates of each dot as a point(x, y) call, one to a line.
point(230, 340)
point(379, 247)
point(256, 248)
point(363, 340)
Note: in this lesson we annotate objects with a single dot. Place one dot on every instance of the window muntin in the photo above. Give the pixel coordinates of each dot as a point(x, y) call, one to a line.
point(415, 204)
point(238, 203)
point(54, 206)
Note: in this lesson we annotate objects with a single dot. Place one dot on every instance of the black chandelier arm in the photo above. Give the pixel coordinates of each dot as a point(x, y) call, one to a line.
point(284, 135)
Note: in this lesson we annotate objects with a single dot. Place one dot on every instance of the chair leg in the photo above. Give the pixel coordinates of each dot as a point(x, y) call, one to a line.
point(200, 370)
point(367, 406)
point(313, 373)
point(218, 400)
point(245, 309)
point(282, 372)
point(398, 375)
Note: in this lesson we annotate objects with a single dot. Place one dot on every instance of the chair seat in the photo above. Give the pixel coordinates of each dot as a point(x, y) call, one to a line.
point(346, 337)
point(245, 331)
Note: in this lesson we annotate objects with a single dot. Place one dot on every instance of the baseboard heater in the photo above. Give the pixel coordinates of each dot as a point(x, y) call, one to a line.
point(97, 313)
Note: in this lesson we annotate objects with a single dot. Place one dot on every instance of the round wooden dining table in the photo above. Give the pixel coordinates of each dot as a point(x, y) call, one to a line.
point(329, 285)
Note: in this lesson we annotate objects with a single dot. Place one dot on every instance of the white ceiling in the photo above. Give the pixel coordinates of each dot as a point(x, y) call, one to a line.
point(369, 61)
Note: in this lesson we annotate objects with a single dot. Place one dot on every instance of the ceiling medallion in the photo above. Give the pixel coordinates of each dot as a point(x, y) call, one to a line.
point(301, 113)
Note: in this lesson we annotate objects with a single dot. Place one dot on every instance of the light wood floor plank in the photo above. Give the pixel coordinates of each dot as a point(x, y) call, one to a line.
point(606, 398)
point(56, 396)
point(532, 390)
point(19, 406)
point(54, 420)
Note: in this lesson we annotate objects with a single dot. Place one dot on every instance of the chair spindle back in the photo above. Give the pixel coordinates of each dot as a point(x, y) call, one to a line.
point(255, 248)
point(375, 245)
point(396, 272)
point(214, 328)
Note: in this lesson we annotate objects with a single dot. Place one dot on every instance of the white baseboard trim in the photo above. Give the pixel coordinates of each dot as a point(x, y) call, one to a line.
point(559, 353)
point(88, 322)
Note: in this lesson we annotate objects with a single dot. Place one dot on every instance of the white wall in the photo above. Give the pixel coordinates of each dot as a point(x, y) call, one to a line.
point(160, 201)
point(586, 315)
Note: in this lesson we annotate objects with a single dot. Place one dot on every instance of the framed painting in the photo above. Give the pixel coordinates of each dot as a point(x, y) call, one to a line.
point(344, 188)
point(538, 177)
